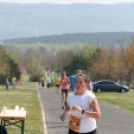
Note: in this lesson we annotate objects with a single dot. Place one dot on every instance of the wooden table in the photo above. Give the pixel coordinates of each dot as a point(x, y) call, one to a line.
point(17, 116)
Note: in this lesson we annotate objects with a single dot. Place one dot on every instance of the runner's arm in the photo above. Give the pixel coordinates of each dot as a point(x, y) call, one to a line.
point(67, 111)
point(61, 81)
point(94, 113)
point(67, 81)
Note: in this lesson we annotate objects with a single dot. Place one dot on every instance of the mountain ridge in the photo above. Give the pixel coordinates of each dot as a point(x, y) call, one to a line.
point(28, 20)
point(105, 38)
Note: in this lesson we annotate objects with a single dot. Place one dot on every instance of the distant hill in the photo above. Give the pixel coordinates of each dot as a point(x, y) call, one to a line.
point(107, 38)
point(28, 20)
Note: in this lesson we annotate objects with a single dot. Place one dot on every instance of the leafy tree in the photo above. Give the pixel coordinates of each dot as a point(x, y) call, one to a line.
point(8, 67)
point(77, 62)
point(104, 64)
point(127, 58)
point(88, 50)
point(33, 62)
point(62, 58)
point(111, 68)
point(97, 67)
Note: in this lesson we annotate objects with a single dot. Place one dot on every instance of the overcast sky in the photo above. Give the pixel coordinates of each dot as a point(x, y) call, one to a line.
point(70, 1)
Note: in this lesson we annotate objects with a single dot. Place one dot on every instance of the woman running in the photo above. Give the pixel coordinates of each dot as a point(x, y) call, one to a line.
point(65, 88)
point(84, 108)
point(57, 82)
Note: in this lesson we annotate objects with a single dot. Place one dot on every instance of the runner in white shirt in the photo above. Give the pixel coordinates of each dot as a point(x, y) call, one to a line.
point(90, 87)
point(84, 108)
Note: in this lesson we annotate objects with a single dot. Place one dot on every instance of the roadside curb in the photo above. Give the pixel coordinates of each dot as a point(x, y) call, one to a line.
point(43, 114)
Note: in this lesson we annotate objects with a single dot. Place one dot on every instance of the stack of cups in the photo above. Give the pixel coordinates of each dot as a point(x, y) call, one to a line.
point(16, 109)
point(22, 110)
point(4, 110)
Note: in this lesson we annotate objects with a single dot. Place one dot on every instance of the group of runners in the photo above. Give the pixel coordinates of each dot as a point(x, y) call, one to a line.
point(81, 103)
point(68, 85)
point(42, 83)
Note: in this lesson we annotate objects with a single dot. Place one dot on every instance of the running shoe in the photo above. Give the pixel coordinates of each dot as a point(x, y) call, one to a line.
point(65, 104)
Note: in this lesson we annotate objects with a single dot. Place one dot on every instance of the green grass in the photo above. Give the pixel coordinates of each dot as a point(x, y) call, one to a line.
point(25, 96)
point(123, 100)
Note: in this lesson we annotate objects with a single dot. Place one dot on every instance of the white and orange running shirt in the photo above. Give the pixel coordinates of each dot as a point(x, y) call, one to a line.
point(88, 124)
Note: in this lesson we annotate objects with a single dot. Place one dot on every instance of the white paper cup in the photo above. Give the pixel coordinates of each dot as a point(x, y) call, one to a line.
point(17, 108)
point(22, 110)
point(13, 112)
point(4, 110)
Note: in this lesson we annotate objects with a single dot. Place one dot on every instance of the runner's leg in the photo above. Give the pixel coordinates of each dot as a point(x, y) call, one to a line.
point(63, 98)
point(58, 89)
point(66, 95)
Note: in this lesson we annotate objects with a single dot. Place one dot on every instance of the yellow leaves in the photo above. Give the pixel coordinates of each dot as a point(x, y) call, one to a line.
point(127, 56)
point(104, 63)
point(110, 63)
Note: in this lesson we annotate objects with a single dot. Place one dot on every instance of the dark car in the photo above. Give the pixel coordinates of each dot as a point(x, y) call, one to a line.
point(109, 86)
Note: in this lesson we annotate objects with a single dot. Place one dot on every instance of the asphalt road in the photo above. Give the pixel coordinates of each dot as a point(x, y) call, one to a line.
point(114, 120)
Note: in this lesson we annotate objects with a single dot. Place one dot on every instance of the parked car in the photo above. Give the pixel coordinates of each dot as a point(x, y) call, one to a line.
point(109, 86)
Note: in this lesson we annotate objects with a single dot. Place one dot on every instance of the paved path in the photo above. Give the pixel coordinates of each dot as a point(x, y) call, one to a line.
point(114, 120)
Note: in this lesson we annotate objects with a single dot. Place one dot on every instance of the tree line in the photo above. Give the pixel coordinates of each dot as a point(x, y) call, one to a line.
point(99, 62)
point(105, 38)
point(106, 63)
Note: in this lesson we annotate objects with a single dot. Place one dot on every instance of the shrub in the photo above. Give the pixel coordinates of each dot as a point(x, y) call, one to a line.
point(52, 84)
point(2, 79)
point(35, 77)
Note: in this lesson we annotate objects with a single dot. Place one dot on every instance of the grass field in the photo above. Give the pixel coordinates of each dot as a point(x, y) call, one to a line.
point(25, 96)
point(123, 100)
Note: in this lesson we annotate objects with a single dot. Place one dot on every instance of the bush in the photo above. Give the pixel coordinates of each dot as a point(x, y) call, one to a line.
point(35, 77)
point(52, 84)
point(2, 79)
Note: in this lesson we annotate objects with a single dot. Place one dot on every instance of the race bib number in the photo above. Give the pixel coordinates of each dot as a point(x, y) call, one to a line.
point(74, 123)
point(64, 84)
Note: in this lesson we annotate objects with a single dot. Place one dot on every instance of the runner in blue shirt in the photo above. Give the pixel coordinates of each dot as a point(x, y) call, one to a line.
point(72, 79)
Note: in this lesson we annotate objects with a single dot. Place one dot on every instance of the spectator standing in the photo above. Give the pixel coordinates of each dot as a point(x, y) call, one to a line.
point(18, 82)
point(7, 81)
point(14, 82)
